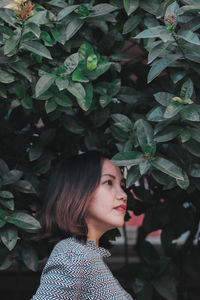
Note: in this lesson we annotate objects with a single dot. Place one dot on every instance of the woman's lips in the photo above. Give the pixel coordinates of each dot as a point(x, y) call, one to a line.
point(121, 208)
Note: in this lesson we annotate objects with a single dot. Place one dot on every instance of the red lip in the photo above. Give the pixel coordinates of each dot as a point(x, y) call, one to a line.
point(123, 206)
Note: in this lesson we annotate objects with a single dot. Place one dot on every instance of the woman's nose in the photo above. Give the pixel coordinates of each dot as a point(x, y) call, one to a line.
point(121, 195)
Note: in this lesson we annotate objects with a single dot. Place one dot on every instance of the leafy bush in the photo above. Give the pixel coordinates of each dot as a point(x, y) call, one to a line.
point(120, 76)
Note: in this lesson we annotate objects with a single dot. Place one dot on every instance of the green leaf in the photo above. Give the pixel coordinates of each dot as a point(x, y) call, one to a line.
point(45, 36)
point(192, 147)
point(25, 186)
point(102, 67)
point(190, 113)
point(102, 9)
point(35, 152)
point(71, 62)
point(50, 105)
point(187, 89)
point(114, 87)
point(166, 287)
point(92, 61)
point(190, 8)
point(63, 100)
point(185, 135)
point(37, 48)
point(6, 195)
point(78, 76)
point(77, 90)
point(168, 134)
point(127, 158)
point(27, 102)
point(9, 237)
point(84, 51)
point(6, 77)
point(132, 22)
point(35, 29)
point(158, 50)
point(11, 177)
point(73, 27)
point(184, 184)
point(144, 167)
point(62, 83)
point(145, 136)
point(89, 95)
point(163, 98)
point(8, 203)
point(30, 258)
point(195, 134)
point(11, 44)
point(189, 36)
point(156, 114)
point(105, 100)
point(130, 6)
point(173, 109)
point(152, 32)
point(123, 120)
point(66, 11)
point(133, 176)
point(24, 221)
point(194, 170)
point(22, 69)
point(44, 83)
point(159, 65)
point(167, 167)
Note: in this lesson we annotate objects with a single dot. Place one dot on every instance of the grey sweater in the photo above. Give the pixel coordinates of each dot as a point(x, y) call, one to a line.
point(76, 270)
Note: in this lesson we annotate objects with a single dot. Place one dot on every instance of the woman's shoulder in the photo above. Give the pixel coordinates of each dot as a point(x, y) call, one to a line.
point(71, 246)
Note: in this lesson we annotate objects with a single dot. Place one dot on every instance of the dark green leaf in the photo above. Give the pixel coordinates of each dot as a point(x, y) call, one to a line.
point(73, 27)
point(6, 195)
point(190, 113)
point(163, 98)
point(50, 105)
point(127, 158)
point(6, 77)
point(24, 221)
point(25, 186)
point(102, 9)
point(132, 22)
point(166, 287)
point(66, 11)
point(167, 167)
point(102, 67)
point(37, 48)
point(133, 176)
point(105, 100)
point(71, 62)
point(159, 65)
point(44, 83)
point(63, 100)
point(30, 258)
point(173, 109)
point(123, 120)
point(9, 237)
point(130, 6)
point(11, 177)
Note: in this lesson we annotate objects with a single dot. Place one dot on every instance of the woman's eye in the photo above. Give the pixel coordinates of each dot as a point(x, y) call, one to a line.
point(123, 186)
point(108, 182)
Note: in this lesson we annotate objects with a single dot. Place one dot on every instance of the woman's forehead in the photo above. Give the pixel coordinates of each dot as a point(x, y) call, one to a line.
point(110, 168)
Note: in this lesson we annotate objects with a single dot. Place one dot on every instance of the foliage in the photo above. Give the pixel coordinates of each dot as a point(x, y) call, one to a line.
point(120, 76)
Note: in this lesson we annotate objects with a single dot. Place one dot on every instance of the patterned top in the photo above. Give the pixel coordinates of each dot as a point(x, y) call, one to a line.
point(76, 270)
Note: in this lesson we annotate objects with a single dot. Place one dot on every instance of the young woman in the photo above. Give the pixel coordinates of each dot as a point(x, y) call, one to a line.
point(85, 199)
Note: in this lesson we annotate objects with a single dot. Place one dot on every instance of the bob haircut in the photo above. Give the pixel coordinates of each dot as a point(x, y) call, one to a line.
point(68, 194)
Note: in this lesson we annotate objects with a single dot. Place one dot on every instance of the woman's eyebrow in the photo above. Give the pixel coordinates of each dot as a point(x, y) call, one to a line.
point(122, 179)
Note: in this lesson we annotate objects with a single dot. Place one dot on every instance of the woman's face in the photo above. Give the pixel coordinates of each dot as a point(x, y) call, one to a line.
point(107, 206)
